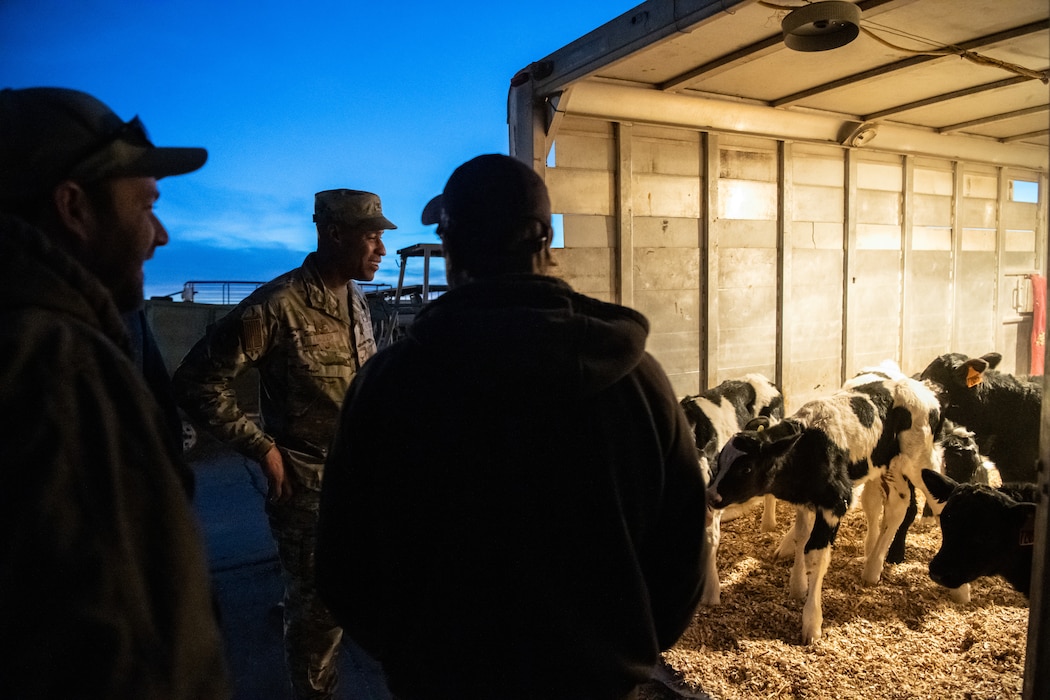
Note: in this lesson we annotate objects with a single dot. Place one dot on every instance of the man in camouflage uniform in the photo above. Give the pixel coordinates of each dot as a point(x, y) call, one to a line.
point(307, 332)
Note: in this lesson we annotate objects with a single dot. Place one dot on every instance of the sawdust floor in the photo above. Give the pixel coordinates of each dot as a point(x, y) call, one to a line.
point(901, 639)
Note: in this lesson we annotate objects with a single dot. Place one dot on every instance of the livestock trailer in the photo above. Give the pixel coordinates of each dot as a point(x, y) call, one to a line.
point(876, 190)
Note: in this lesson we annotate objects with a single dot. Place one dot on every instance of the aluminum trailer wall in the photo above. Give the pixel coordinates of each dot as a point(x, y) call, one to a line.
point(802, 261)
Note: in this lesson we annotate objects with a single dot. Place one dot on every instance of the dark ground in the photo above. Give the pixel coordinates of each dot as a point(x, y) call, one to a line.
point(246, 576)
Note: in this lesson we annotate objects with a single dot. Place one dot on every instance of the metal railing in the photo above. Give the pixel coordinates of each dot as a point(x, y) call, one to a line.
point(217, 291)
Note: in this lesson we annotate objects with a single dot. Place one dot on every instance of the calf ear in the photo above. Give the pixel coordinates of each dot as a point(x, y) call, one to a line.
point(993, 359)
point(971, 372)
point(1022, 518)
point(758, 423)
point(939, 486)
point(784, 430)
point(782, 437)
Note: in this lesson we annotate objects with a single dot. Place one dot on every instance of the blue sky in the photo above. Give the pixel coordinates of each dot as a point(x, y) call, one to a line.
point(289, 99)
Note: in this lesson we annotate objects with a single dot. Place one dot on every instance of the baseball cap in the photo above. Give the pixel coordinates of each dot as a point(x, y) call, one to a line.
point(50, 134)
point(353, 207)
point(490, 190)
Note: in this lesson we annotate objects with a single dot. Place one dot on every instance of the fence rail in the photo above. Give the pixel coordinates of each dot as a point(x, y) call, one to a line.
point(217, 291)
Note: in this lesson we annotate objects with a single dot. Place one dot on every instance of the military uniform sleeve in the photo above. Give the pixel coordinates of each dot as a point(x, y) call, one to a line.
point(204, 381)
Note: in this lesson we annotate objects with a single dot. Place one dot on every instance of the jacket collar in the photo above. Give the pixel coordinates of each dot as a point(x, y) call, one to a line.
point(317, 295)
point(36, 273)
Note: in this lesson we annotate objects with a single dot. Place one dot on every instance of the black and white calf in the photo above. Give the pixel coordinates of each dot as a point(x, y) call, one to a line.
point(1002, 410)
point(962, 459)
point(984, 531)
point(817, 457)
point(715, 416)
point(955, 450)
point(959, 458)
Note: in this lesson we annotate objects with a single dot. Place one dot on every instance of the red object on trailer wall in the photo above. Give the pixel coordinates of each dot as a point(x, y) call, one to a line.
point(1038, 323)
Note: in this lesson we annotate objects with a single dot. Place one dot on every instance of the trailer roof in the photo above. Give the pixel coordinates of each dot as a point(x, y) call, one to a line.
point(988, 85)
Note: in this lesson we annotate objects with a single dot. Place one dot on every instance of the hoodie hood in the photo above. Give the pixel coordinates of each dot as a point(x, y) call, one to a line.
point(531, 334)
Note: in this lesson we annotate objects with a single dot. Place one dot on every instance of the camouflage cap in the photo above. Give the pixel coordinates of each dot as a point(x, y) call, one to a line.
point(48, 135)
point(352, 207)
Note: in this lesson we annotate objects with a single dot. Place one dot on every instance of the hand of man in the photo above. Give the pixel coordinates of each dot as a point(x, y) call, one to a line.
point(279, 486)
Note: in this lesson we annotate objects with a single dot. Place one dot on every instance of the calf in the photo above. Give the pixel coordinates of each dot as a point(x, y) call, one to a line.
point(962, 459)
point(715, 416)
point(817, 457)
point(957, 453)
point(890, 371)
point(984, 531)
point(1001, 410)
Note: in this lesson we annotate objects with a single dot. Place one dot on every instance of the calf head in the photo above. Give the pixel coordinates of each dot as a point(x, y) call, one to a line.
point(956, 372)
point(982, 532)
point(749, 462)
point(962, 460)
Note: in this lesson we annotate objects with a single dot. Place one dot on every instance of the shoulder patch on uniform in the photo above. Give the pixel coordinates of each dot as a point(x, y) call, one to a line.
point(252, 334)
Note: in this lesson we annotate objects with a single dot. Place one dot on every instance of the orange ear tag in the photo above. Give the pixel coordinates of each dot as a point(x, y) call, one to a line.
point(973, 378)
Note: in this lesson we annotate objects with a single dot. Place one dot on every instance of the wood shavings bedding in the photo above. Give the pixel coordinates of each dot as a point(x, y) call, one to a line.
point(903, 639)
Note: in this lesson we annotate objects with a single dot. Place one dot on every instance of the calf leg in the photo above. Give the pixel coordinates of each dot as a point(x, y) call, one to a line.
point(805, 519)
point(817, 559)
point(817, 562)
point(895, 506)
point(794, 538)
point(711, 594)
point(769, 513)
point(872, 501)
point(739, 510)
point(896, 553)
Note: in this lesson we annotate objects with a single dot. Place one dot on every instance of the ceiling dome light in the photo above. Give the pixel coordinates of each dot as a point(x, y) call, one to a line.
point(856, 135)
point(821, 26)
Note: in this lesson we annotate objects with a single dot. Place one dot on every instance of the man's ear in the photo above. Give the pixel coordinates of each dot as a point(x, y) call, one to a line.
point(334, 234)
point(74, 210)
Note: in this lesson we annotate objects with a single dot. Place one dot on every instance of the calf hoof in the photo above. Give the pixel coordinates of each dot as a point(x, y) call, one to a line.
point(895, 556)
point(871, 575)
point(811, 636)
point(786, 549)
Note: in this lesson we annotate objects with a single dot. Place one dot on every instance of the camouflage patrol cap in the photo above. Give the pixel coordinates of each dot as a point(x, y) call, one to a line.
point(352, 207)
point(49, 134)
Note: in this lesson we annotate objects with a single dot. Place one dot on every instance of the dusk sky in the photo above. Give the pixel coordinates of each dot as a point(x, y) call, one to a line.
point(289, 99)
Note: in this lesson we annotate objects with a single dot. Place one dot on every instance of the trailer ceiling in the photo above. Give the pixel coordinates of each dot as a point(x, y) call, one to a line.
point(973, 68)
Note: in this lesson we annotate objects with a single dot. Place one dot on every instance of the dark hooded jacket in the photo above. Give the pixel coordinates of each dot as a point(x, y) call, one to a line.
point(513, 506)
point(103, 585)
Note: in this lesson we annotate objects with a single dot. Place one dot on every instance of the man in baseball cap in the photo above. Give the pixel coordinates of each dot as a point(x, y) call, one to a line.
point(53, 134)
point(97, 534)
point(494, 216)
point(548, 495)
point(84, 176)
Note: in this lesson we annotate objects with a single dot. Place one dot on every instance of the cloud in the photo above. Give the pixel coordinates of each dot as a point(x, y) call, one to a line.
point(235, 219)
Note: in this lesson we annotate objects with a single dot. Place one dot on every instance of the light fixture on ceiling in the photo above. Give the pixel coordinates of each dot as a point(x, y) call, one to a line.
point(856, 135)
point(821, 26)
